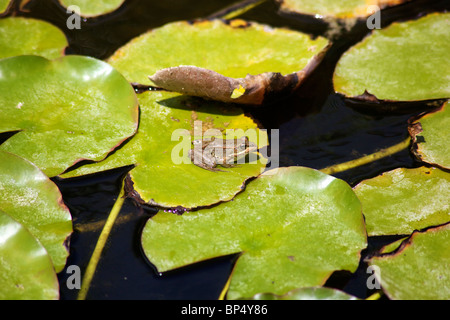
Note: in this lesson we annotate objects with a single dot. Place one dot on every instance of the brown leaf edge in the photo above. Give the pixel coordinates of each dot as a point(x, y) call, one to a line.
point(415, 128)
point(370, 103)
point(408, 241)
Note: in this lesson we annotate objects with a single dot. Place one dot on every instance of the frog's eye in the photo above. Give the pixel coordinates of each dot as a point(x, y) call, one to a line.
point(243, 144)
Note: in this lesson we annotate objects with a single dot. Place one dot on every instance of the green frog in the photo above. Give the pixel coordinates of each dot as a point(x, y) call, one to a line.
point(209, 154)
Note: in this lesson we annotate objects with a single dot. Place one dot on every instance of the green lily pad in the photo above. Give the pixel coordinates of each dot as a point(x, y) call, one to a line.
point(26, 269)
point(391, 247)
point(333, 8)
point(314, 293)
point(34, 201)
point(376, 67)
point(4, 4)
point(279, 59)
point(164, 175)
point(89, 8)
point(294, 226)
point(431, 137)
point(22, 36)
point(419, 269)
point(403, 200)
point(66, 110)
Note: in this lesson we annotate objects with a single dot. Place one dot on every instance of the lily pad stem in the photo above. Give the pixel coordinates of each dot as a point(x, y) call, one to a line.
point(375, 296)
point(367, 159)
point(95, 258)
point(236, 10)
point(225, 289)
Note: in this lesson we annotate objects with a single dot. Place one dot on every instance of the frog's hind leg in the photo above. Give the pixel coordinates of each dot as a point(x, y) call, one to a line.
point(217, 169)
point(213, 169)
point(229, 165)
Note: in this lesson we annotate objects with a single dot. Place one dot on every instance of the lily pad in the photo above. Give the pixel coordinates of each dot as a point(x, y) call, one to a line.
point(419, 269)
point(294, 226)
point(213, 58)
point(430, 136)
point(164, 174)
point(89, 8)
point(26, 271)
point(4, 4)
point(333, 8)
point(34, 201)
point(403, 200)
point(22, 36)
point(66, 110)
point(314, 293)
point(376, 67)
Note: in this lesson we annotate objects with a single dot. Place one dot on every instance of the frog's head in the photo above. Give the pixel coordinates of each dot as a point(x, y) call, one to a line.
point(244, 145)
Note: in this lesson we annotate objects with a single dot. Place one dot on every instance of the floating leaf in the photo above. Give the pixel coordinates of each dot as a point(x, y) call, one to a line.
point(65, 110)
point(294, 226)
point(22, 36)
point(90, 8)
point(34, 201)
point(376, 68)
point(333, 8)
point(279, 59)
point(419, 269)
point(314, 293)
point(163, 175)
point(4, 4)
point(403, 200)
point(26, 271)
point(431, 138)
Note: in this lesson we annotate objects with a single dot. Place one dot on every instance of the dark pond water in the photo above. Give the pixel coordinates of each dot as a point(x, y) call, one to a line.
point(317, 128)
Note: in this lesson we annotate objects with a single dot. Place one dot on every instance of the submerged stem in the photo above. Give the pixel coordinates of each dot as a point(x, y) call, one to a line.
point(236, 9)
point(95, 258)
point(367, 159)
point(225, 289)
point(375, 296)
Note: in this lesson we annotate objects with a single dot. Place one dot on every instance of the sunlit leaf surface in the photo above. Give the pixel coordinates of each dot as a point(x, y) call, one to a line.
point(66, 110)
point(431, 136)
point(89, 8)
point(377, 65)
point(419, 270)
point(26, 270)
point(294, 227)
point(314, 293)
point(403, 200)
point(21, 36)
point(34, 201)
point(335, 8)
point(234, 50)
point(164, 174)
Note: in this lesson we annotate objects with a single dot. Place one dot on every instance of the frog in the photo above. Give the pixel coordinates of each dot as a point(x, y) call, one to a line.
point(205, 155)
